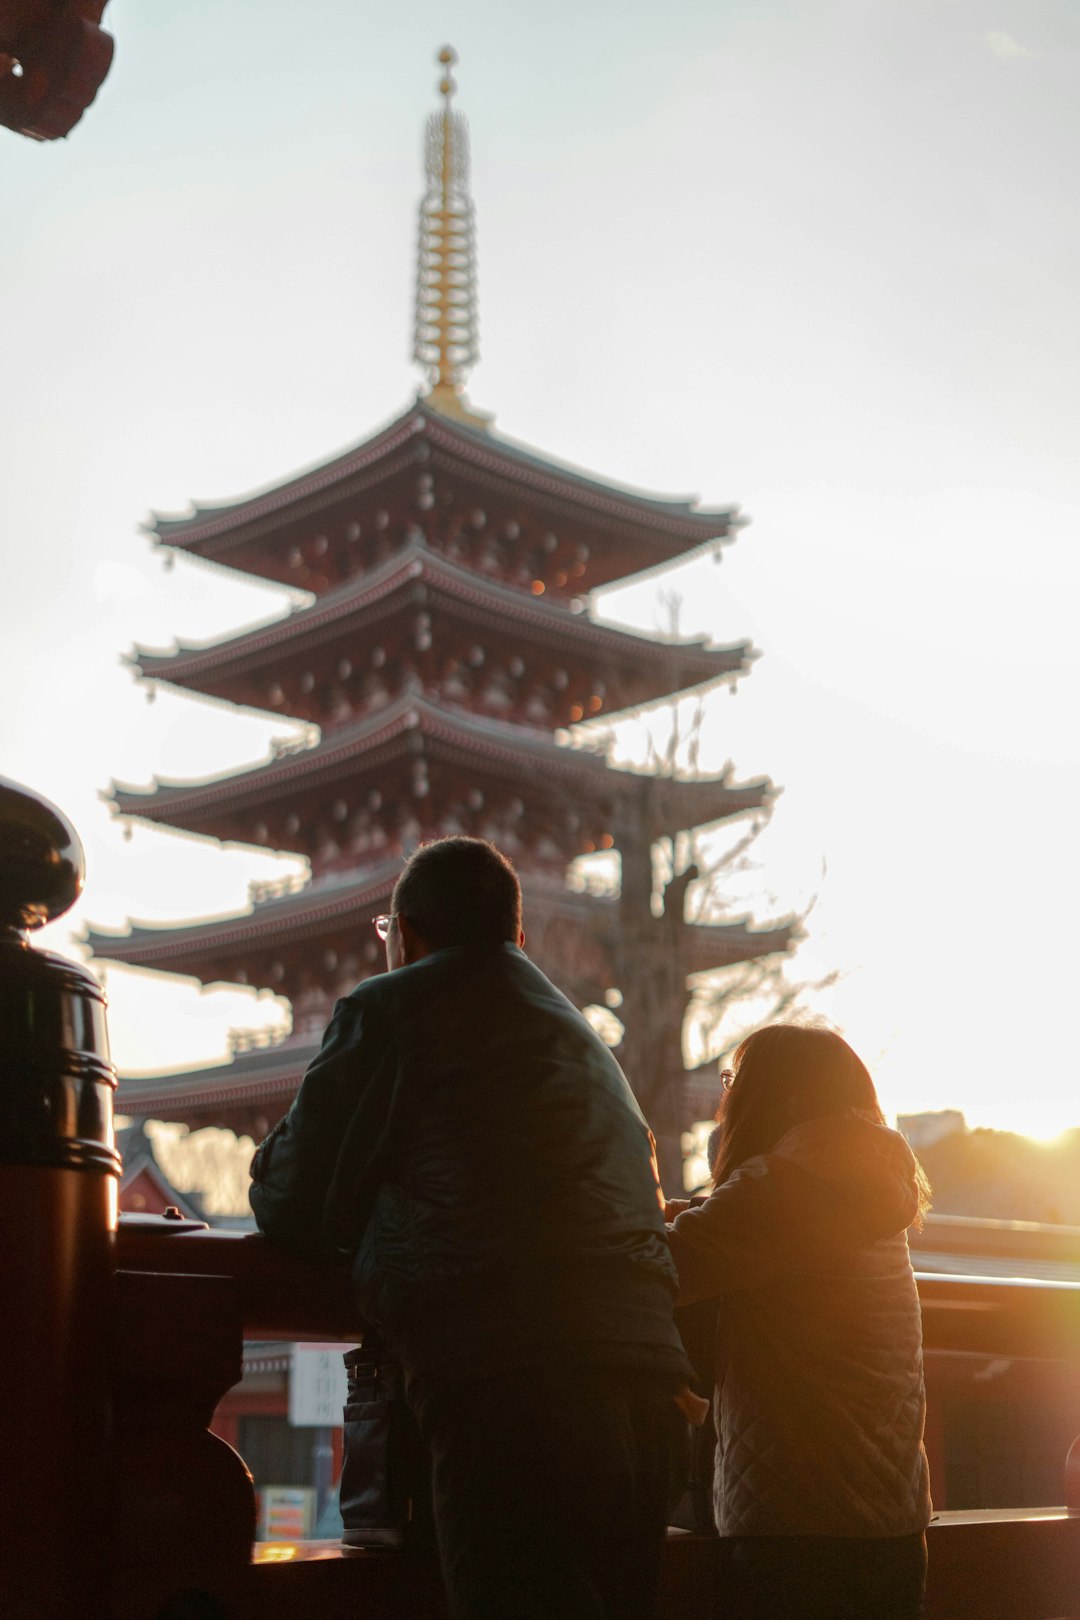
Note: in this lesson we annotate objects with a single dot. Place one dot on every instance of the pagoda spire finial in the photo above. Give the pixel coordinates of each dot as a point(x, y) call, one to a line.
point(446, 321)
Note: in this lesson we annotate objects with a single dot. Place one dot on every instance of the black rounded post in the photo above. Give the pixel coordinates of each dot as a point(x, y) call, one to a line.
point(58, 1182)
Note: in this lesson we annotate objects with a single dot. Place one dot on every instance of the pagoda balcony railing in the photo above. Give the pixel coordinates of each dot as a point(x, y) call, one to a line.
point(263, 890)
point(599, 885)
point(312, 1025)
point(553, 878)
point(187, 1297)
point(284, 746)
point(256, 1040)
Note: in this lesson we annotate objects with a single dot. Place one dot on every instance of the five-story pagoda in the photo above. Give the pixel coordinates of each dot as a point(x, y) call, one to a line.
point(447, 648)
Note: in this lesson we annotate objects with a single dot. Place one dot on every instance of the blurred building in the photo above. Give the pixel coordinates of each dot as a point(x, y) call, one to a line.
point(923, 1130)
point(998, 1427)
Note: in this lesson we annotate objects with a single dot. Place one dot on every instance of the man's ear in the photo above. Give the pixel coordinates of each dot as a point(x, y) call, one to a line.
point(413, 945)
point(521, 939)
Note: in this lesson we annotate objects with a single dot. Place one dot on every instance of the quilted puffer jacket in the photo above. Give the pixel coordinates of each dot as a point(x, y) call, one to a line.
point(819, 1400)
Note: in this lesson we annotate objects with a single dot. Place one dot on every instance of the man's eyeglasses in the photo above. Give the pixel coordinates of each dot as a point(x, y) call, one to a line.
point(727, 1078)
point(382, 923)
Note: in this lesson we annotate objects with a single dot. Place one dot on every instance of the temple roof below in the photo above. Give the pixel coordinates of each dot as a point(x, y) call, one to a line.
point(266, 1078)
point(263, 1078)
point(257, 1078)
point(288, 918)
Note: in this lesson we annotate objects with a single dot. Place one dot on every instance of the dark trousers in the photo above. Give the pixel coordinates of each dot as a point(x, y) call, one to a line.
point(551, 1492)
point(825, 1577)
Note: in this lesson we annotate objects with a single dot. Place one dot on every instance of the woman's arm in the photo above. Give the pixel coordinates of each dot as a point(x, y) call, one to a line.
point(737, 1238)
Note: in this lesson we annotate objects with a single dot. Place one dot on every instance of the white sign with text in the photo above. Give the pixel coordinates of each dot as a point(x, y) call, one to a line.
point(317, 1386)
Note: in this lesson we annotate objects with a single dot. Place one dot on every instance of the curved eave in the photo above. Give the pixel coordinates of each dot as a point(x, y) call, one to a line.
point(710, 947)
point(289, 919)
point(261, 1078)
point(205, 949)
point(485, 745)
point(211, 531)
point(294, 919)
point(266, 1074)
point(359, 601)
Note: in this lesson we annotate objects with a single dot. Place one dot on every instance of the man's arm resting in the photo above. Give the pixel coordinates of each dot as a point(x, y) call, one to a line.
point(294, 1168)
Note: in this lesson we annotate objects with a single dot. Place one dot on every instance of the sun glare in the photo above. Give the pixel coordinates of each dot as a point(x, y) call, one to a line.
point(1051, 1136)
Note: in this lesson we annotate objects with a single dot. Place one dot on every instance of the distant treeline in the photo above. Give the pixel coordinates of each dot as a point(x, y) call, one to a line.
point(1005, 1177)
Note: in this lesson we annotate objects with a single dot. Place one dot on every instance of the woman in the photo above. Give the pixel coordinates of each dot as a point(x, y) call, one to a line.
point(821, 1485)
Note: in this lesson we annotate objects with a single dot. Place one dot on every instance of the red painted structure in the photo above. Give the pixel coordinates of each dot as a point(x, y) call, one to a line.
point(999, 1422)
point(144, 1187)
point(446, 649)
point(54, 56)
point(984, 1565)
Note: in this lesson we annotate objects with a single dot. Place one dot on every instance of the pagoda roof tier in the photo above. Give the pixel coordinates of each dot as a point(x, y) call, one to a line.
point(708, 947)
point(243, 945)
point(416, 734)
point(314, 513)
point(291, 918)
point(260, 1077)
point(253, 668)
point(265, 1079)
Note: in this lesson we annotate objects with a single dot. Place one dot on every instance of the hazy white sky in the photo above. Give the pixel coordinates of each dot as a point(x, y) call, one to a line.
point(821, 259)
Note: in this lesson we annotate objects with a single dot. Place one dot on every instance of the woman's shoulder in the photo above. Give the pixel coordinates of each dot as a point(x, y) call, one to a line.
point(868, 1168)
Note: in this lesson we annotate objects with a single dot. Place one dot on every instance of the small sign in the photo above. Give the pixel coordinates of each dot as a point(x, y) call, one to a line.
point(286, 1512)
point(318, 1385)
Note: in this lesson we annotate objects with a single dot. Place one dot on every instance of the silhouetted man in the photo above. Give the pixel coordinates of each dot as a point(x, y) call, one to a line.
point(466, 1136)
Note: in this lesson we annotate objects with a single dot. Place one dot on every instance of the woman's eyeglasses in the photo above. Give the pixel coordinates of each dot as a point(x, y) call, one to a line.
point(727, 1078)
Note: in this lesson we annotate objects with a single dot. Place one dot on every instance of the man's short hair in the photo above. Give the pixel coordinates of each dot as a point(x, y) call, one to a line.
point(460, 891)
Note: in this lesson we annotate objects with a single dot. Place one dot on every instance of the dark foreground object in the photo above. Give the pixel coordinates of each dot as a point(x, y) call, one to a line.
point(814, 1577)
point(982, 1567)
point(58, 1174)
point(551, 1491)
point(385, 1489)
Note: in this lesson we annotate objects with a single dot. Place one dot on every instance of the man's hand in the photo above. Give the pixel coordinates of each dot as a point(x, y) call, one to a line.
point(673, 1207)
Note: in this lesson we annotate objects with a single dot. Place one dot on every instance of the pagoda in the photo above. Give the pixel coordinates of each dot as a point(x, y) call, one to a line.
point(447, 651)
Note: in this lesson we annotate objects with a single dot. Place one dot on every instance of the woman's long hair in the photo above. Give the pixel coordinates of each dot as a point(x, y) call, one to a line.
point(786, 1074)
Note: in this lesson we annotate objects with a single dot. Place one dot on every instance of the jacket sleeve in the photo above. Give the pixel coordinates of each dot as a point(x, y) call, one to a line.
point(319, 1167)
point(739, 1237)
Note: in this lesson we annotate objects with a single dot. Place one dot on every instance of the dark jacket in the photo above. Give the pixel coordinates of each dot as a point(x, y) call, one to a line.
point(469, 1139)
point(819, 1377)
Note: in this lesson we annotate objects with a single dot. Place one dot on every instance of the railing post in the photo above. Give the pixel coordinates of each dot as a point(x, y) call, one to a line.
point(1072, 1478)
point(58, 1178)
point(186, 1503)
